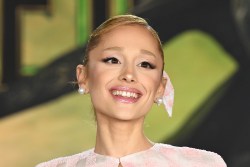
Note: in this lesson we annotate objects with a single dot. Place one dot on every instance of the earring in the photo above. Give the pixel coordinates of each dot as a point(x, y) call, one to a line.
point(159, 101)
point(81, 90)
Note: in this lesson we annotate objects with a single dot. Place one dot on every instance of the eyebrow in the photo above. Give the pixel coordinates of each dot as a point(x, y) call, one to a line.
point(147, 52)
point(117, 48)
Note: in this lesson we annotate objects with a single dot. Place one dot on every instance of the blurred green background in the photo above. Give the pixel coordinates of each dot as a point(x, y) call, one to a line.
point(196, 63)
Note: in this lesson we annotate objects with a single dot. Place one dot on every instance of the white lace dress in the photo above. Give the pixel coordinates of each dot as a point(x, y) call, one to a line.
point(159, 155)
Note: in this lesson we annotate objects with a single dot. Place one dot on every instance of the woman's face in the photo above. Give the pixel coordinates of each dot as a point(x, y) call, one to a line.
point(123, 73)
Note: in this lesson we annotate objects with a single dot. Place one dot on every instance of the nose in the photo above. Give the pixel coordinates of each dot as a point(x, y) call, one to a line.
point(128, 75)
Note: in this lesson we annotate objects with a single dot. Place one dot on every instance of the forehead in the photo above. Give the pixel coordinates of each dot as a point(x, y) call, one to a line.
point(130, 31)
point(130, 35)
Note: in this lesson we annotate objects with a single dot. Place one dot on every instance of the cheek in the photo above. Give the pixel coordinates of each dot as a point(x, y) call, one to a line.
point(152, 81)
point(156, 83)
point(95, 76)
point(157, 77)
point(99, 76)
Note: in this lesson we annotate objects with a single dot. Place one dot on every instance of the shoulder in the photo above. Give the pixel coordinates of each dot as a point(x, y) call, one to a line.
point(65, 161)
point(191, 156)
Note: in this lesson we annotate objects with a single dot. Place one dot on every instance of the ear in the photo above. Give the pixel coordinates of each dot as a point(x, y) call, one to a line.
point(161, 88)
point(82, 78)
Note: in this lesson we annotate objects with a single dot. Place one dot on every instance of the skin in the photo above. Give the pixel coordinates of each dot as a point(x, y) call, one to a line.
point(122, 60)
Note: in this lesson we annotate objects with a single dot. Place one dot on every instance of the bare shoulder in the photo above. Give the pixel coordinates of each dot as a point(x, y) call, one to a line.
point(192, 155)
point(65, 161)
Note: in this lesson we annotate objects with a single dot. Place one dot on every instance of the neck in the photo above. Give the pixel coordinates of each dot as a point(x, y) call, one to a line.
point(119, 138)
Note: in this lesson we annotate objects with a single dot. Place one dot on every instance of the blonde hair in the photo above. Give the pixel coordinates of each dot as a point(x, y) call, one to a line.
point(114, 22)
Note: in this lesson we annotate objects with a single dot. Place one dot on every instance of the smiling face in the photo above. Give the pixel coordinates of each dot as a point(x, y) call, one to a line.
point(124, 73)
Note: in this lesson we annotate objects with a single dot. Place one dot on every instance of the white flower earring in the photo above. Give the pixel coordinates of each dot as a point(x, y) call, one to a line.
point(81, 90)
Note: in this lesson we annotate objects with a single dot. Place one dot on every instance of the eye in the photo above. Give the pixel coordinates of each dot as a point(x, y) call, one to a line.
point(147, 65)
point(111, 60)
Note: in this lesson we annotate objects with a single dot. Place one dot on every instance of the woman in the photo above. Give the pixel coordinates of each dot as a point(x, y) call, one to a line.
point(123, 73)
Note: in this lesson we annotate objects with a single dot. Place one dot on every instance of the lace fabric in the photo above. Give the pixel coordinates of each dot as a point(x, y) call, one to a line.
point(159, 155)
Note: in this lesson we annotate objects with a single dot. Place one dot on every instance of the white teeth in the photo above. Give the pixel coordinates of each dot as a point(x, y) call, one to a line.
point(124, 94)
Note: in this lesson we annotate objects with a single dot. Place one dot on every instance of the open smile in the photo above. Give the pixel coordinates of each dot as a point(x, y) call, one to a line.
point(125, 94)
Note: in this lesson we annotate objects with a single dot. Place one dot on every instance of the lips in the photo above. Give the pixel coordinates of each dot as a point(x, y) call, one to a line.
point(125, 94)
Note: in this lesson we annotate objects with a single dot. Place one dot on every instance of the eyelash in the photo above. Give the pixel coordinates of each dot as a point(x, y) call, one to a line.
point(113, 60)
point(146, 65)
